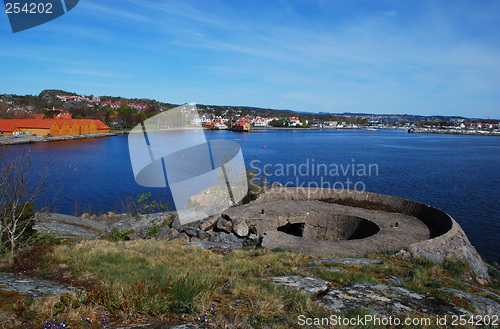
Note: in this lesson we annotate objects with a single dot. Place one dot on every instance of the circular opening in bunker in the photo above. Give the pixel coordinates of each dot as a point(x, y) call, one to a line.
point(340, 227)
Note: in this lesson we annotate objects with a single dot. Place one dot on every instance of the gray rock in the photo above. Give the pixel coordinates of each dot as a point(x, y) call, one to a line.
point(477, 265)
point(220, 247)
point(182, 236)
point(225, 225)
point(210, 222)
point(482, 305)
point(331, 269)
point(348, 261)
point(240, 228)
point(174, 233)
point(188, 326)
point(139, 235)
point(227, 238)
point(385, 300)
point(191, 217)
point(65, 226)
point(164, 234)
point(395, 281)
point(307, 285)
point(32, 287)
point(150, 220)
point(176, 224)
point(189, 230)
point(436, 257)
point(202, 235)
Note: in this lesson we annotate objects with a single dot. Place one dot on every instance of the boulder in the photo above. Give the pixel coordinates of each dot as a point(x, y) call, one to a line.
point(203, 200)
point(182, 236)
point(225, 225)
point(202, 235)
point(176, 223)
point(165, 233)
point(227, 238)
point(210, 222)
point(189, 230)
point(240, 228)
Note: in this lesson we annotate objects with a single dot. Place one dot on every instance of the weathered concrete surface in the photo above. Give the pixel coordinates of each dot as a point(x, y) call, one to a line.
point(447, 239)
point(31, 287)
point(307, 285)
point(385, 300)
point(321, 227)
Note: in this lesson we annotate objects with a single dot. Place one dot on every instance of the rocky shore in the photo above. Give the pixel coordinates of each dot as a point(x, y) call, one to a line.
point(16, 140)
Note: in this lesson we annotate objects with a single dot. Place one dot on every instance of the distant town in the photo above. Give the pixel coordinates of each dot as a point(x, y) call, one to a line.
point(122, 113)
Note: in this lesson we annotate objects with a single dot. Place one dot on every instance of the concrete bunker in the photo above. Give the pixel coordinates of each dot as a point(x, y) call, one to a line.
point(338, 227)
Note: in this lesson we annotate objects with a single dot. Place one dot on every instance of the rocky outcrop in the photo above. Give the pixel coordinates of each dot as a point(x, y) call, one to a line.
point(215, 233)
point(385, 300)
point(32, 287)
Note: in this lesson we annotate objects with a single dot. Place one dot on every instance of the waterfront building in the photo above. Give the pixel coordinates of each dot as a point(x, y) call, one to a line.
point(51, 127)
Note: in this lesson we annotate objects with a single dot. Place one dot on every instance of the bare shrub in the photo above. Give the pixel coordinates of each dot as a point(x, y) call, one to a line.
point(20, 186)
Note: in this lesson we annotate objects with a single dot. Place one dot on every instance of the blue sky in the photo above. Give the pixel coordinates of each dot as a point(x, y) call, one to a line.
point(418, 57)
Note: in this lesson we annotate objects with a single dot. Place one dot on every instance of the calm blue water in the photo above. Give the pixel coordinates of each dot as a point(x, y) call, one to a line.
point(458, 174)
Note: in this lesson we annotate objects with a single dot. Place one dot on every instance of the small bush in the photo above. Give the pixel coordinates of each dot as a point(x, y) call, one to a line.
point(118, 235)
point(455, 268)
point(153, 231)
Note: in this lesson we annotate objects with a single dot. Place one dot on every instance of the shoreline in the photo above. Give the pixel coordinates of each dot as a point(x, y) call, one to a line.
point(18, 140)
point(452, 132)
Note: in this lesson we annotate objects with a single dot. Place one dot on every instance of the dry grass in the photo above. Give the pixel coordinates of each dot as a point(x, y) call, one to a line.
point(143, 279)
point(161, 279)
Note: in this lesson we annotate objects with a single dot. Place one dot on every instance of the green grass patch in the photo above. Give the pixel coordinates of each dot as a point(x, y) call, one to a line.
point(455, 267)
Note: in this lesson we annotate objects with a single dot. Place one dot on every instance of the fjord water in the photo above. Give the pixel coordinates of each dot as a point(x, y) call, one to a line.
point(458, 174)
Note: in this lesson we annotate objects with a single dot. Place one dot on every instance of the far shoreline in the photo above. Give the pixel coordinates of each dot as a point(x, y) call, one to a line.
point(19, 140)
